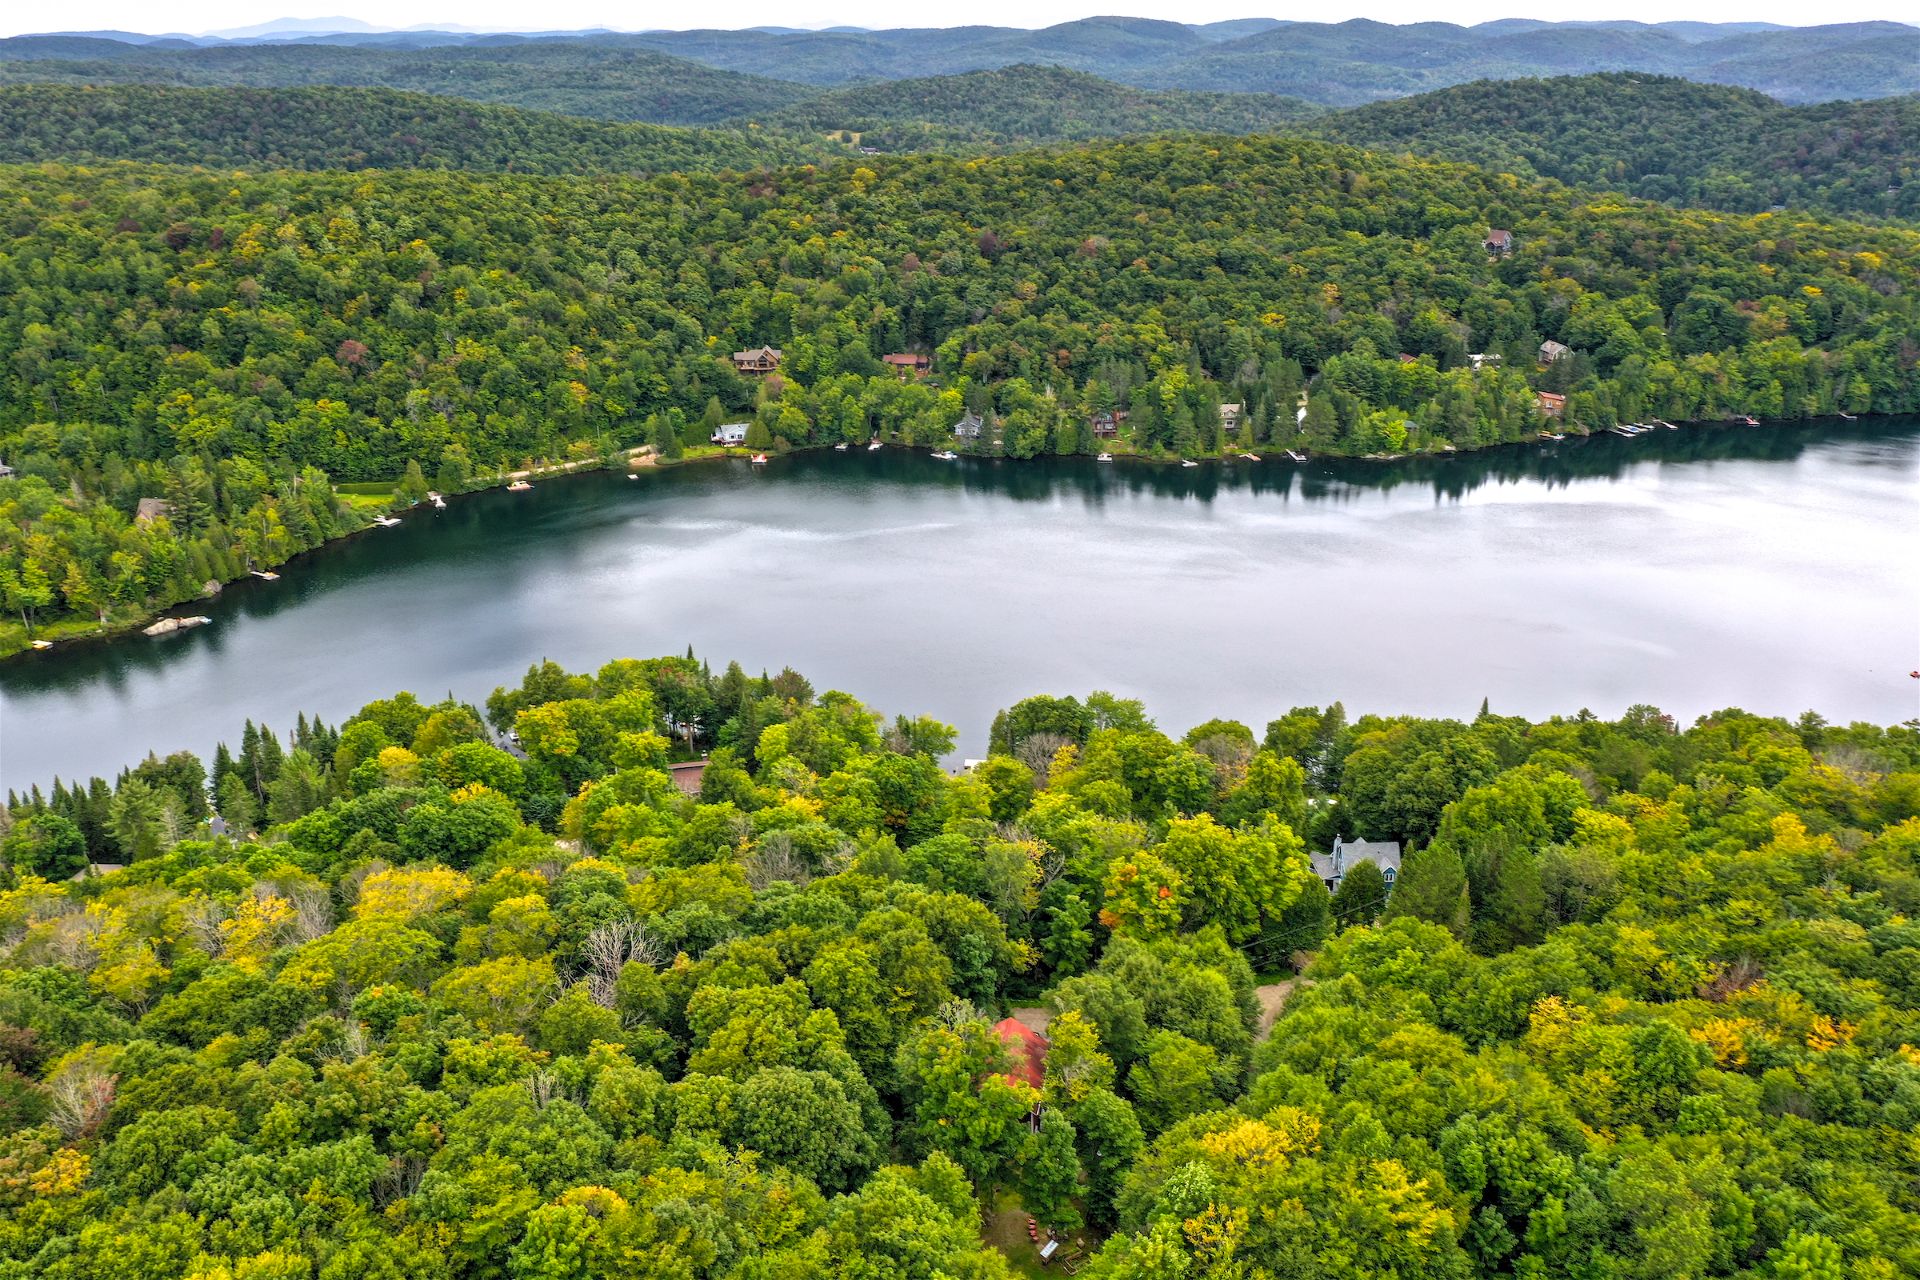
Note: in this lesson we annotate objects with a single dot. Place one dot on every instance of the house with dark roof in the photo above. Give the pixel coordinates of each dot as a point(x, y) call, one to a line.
point(1103, 424)
point(969, 428)
point(687, 774)
point(1332, 867)
point(908, 364)
point(757, 360)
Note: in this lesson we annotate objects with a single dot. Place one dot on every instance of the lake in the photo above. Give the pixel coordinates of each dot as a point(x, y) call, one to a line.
point(1771, 568)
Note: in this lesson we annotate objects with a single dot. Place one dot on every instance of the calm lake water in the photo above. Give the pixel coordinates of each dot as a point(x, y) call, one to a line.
point(1775, 569)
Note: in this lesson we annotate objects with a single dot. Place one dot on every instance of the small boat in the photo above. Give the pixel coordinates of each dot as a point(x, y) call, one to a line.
point(385, 522)
point(518, 486)
point(1251, 457)
point(633, 475)
point(1188, 462)
point(841, 447)
point(945, 455)
point(265, 575)
point(43, 644)
point(1750, 420)
point(759, 459)
point(1297, 457)
point(1105, 457)
point(1671, 426)
point(1848, 417)
point(439, 502)
point(873, 444)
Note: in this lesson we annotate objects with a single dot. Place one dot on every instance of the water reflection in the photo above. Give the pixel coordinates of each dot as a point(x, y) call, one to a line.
point(1699, 567)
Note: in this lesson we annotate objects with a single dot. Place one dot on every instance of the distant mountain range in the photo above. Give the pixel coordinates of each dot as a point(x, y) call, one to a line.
point(1650, 136)
point(1340, 64)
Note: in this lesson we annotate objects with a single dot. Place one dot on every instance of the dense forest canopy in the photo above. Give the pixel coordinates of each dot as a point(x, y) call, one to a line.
point(1649, 136)
point(1639, 1001)
point(1023, 105)
point(1661, 139)
point(226, 344)
point(605, 82)
point(342, 128)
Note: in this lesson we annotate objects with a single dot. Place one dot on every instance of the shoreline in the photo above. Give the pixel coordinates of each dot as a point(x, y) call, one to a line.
point(644, 458)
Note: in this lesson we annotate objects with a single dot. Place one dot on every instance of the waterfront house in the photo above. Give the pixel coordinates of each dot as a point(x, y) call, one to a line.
point(907, 364)
point(732, 435)
point(1551, 351)
point(1551, 404)
point(757, 360)
point(1103, 425)
point(1332, 867)
point(1230, 416)
point(969, 428)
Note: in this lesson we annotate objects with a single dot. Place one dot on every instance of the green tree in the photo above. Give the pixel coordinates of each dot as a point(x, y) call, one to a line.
point(1361, 897)
point(45, 845)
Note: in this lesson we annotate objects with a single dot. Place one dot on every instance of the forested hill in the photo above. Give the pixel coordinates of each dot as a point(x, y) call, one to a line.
point(227, 343)
point(599, 81)
point(1663, 139)
point(1643, 1002)
point(1027, 104)
point(626, 76)
point(343, 128)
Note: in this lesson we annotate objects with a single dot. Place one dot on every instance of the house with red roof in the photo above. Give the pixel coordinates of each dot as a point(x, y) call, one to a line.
point(1028, 1049)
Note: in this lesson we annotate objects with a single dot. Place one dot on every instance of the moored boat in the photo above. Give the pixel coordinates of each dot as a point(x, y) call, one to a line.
point(518, 486)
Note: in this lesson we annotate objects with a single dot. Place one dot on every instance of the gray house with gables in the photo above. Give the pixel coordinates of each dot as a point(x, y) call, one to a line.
point(1332, 867)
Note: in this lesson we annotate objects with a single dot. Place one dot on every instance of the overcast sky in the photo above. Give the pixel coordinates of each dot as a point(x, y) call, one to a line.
point(19, 17)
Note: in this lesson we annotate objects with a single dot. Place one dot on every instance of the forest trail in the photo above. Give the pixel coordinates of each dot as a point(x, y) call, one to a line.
point(1272, 998)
